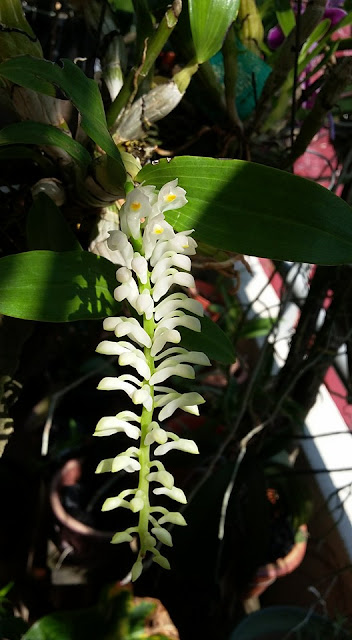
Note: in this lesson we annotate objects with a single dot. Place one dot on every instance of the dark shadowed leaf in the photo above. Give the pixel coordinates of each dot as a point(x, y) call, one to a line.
point(253, 209)
point(44, 134)
point(211, 340)
point(47, 228)
point(29, 72)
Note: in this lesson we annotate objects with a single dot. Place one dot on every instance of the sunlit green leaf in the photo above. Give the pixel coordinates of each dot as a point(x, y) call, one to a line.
point(44, 134)
point(253, 209)
point(210, 20)
point(57, 287)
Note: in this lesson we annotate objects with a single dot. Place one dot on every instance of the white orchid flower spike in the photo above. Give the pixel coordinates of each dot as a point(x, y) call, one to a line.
point(152, 258)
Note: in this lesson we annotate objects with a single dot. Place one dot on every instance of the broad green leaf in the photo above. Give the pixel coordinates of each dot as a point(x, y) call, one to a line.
point(83, 92)
point(249, 208)
point(47, 228)
point(285, 15)
point(57, 287)
point(211, 340)
point(44, 134)
point(210, 20)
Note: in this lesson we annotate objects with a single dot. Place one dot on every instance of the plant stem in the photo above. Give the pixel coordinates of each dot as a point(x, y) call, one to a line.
point(144, 456)
point(136, 76)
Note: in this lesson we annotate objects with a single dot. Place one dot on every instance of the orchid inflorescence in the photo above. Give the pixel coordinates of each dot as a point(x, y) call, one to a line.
point(152, 258)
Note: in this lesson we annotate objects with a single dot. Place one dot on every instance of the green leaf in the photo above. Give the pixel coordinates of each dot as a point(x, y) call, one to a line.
point(256, 327)
point(47, 228)
point(29, 72)
point(285, 16)
point(57, 287)
point(210, 20)
point(256, 210)
point(44, 134)
point(211, 340)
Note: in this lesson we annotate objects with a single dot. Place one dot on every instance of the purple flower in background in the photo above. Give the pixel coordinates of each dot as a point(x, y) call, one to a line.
point(333, 12)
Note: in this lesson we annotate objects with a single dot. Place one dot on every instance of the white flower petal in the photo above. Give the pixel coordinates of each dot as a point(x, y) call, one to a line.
point(175, 494)
point(155, 435)
point(161, 337)
point(162, 535)
point(139, 363)
point(194, 357)
point(136, 570)
point(171, 196)
point(122, 536)
point(121, 248)
point(183, 444)
point(164, 563)
point(177, 301)
point(112, 424)
point(184, 401)
point(115, 384)
point(174, 517)
point(163, 477)
point(182, 370)
point(140, 267)
point(181, 320)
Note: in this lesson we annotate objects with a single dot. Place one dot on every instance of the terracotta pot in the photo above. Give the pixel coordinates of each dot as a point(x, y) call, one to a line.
point(268, 573)
point(84, 544)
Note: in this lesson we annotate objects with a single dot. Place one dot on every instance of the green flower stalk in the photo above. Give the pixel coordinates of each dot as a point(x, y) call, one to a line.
point(152, 258)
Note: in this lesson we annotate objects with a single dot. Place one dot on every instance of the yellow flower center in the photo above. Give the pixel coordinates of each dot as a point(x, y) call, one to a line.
point(170, 197)
point(135, 206)
point(158, 229)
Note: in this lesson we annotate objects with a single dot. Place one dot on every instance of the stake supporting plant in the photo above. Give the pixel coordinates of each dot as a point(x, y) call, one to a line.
point(152, 258)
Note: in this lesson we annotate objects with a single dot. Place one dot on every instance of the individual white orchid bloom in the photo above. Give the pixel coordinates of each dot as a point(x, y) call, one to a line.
point(136, 207)
point(163, 477)
point(155, 228)
point(122, 536)
point(162, 561)
point(173, 517)
point(182, 370)
point(162, 336)
point(155, 434)
point(177, 301)
point(170, 277)
point(175, 494)
point(162, 535)
point(193, 357)
point(112, 424)
point(139, 362)
point(150, 191)
point(120, 248)
point(189, 446)
point(171, 196)
point(140, 267)
point(144, 304)
point(152, 258)
point(131, 327)
point(179, 319)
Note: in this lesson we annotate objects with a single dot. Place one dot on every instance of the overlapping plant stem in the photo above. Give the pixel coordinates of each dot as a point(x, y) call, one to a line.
point(153, 258)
